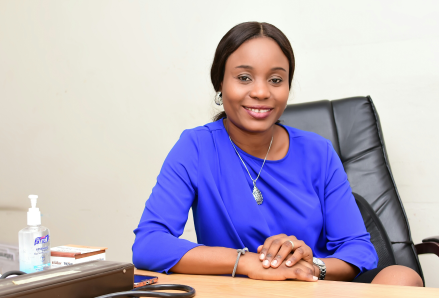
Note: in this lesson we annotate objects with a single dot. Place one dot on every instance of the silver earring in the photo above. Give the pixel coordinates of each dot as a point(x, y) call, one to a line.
point(219, 98)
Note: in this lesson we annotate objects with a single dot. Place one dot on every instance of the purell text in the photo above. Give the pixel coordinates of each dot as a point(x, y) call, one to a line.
point(41, 240)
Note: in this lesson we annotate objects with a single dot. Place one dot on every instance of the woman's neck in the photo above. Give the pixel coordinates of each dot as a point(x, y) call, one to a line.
point(255, 144)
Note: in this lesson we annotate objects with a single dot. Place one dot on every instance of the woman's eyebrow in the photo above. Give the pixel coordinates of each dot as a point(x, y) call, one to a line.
point(244, 66)
point(278, 68)
point(250, 67)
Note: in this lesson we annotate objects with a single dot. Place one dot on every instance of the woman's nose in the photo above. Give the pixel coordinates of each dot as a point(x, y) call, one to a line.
point(260, 90)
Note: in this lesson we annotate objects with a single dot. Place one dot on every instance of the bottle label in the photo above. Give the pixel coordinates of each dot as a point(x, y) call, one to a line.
point(41, 240)
point(39, 258)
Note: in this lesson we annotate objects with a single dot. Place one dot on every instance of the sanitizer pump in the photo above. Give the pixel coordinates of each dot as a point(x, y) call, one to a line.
point(34, 241)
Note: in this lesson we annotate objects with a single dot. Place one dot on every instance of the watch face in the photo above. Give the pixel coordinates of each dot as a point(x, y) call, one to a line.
point(317, 261)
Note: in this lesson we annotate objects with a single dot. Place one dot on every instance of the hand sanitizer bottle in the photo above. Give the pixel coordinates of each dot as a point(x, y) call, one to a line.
point(34, 242)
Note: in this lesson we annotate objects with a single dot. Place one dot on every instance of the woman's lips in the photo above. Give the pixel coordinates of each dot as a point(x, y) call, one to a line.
point(258, 112)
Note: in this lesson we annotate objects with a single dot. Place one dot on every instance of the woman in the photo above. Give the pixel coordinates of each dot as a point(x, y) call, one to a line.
point(252, 182)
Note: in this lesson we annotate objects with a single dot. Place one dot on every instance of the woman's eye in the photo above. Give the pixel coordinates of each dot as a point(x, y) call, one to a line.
point(276, 81)
point(244, 78)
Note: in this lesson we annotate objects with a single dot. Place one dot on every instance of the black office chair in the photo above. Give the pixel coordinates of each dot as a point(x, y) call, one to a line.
point(353, 127)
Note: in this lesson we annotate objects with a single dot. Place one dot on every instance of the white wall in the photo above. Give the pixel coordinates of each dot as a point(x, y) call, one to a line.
point(94, 94)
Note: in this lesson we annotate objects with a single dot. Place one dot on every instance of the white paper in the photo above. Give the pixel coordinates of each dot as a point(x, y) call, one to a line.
point(80, 250)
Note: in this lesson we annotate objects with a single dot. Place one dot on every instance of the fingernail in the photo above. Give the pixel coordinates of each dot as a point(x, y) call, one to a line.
point(274, 263)
point(315, 278)
point(262, 256)
point(288, 263)
point(265, 263)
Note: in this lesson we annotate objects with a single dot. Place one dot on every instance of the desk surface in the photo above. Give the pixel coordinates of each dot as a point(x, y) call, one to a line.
point(225, 286)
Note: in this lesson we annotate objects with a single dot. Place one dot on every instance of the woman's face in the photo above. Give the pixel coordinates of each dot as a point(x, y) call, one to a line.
point(255, 87)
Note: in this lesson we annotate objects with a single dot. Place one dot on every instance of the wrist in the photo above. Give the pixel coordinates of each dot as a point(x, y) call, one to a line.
point(245, 261)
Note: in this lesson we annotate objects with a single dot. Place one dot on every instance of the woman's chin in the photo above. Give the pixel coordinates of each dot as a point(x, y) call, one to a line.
point(258, 126)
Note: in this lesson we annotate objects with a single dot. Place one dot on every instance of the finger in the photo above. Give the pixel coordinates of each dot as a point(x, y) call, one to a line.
point(267, 245)
point(282, 254)
point(307, 254)
point(273, 252)
point(303, 274)
point(295, 257)
point(304, 251)
point(301, 251)
point(259, 248)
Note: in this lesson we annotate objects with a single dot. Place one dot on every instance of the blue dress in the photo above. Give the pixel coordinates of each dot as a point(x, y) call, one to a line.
point(306, 194)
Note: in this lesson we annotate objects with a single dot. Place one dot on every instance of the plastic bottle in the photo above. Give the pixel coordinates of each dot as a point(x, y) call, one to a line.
point(34, 241)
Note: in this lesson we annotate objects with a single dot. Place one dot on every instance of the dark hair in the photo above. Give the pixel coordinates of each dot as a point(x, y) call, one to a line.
point(235, 38)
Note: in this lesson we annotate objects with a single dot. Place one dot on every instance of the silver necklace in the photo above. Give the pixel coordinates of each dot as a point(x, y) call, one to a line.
point(256, 192)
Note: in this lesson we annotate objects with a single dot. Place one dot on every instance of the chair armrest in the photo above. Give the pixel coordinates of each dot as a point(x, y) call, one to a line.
point(429, 245)
point(432, 239)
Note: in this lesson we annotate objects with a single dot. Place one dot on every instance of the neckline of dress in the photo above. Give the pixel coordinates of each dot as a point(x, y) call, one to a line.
point(254, 157)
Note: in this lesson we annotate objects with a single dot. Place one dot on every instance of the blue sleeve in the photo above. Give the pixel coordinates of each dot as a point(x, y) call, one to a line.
point(157, 246)
point(347, 237)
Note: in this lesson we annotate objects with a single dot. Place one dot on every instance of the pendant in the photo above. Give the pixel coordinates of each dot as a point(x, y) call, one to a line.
point(257, 194)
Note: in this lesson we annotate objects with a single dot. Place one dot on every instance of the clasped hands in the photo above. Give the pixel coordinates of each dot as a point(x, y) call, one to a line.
point(281, 260)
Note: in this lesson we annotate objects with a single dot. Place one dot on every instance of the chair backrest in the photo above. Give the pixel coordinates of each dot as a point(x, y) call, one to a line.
point(353, 127)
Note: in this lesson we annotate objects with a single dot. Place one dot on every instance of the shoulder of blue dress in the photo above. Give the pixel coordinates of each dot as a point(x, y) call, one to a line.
point(199, 131)
point(216, 125)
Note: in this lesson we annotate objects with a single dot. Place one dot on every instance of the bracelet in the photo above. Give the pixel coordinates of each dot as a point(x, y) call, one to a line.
point(240, 251)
